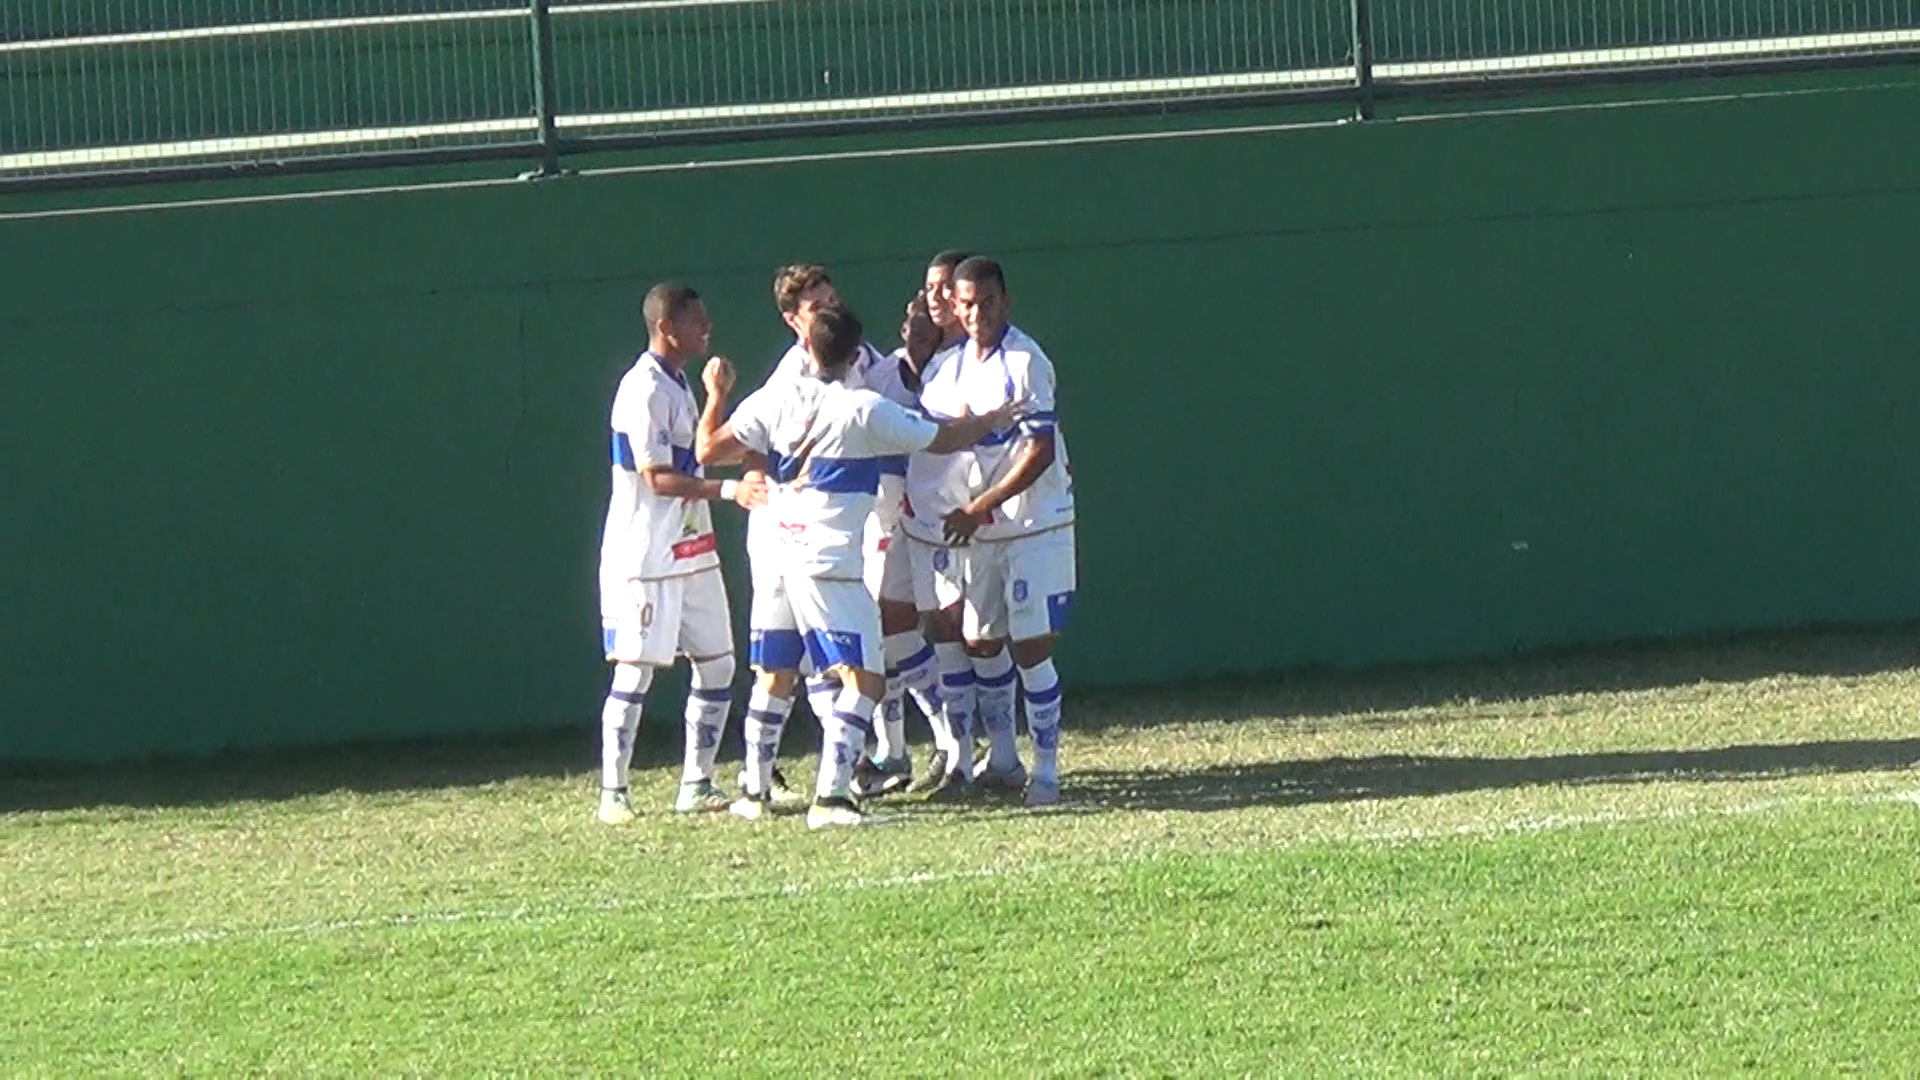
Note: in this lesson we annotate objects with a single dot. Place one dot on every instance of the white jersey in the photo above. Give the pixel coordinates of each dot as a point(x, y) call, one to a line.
point(824, 443)
point(888, 376)
point(792, 365)
point(648, 536)
point(963, 380)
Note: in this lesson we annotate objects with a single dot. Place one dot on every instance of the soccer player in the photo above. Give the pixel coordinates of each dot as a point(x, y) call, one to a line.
point(1013, 534)
point(823, 442)
point(660, 589)
point(799, 291)
point(913, 664)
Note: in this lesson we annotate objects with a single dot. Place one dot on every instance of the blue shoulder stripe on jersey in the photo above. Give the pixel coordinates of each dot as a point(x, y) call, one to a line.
point(623, 452)
point(844, 476)
point(999, 438)
point(894, 466)
point(684, 461)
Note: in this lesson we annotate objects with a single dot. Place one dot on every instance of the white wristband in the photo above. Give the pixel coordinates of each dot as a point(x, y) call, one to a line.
point(727, 488)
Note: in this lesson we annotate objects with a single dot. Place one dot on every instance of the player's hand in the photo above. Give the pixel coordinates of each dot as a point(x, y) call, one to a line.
point(719, 376)
point(960, 525)
point(750, 491)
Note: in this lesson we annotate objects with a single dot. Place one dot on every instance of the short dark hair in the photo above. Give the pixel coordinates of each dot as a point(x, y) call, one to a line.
point(834, 337)
point(665, 302)
point(949, 259)
point(790, 282)
point(979, 269)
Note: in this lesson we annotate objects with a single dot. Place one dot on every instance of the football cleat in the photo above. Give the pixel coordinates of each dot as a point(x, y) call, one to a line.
point(936, 772)
point(1043, 791)
point(832, 811)
point(987, 778)
point(751, 806)
point(887, 777)
point(615, 808)
point(700, 797)
point(953, 787)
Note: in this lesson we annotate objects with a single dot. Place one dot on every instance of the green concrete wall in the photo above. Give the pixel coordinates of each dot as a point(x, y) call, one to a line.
point(306, 470)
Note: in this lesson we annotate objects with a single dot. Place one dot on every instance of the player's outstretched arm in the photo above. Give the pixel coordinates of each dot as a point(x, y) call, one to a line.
point(1032, 458)
point(962, 432)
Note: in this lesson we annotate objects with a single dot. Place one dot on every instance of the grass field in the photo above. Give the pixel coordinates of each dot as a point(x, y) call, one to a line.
point(1692, 859)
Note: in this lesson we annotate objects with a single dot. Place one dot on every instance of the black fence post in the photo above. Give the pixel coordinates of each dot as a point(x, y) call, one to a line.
point(543, 88)
point(1363, 59)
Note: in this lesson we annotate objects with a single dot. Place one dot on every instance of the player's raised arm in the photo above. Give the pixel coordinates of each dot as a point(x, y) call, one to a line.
point(714, 442)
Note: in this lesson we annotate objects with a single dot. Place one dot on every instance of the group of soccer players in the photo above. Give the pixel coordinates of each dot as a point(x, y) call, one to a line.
point(910, 536)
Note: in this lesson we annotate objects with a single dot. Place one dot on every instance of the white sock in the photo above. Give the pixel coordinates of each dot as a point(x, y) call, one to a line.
point(707, 705)
point(1042, 685)
point(620, 722)
point(910, 655)
point(994, 695)
point(891, 730)
point(822, 692)
point(846, 729)
point(956, 702)
point(766, 716)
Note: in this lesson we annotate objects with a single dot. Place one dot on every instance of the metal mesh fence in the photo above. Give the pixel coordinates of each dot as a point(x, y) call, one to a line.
point(136, 84)
point(113, 85)
point(627, 66)
point(1442, 38)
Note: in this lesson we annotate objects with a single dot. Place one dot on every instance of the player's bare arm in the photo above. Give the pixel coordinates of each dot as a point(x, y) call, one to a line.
point(963, 431)
point(749, 492)
point(713, 441)
point(1035, 457)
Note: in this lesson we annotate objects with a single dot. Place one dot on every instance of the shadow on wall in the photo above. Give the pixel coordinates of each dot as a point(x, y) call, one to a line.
point(1298, 698)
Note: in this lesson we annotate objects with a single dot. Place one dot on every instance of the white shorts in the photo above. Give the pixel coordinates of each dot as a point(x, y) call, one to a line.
point(937, 575)
point(1018, 589)
point(827, 621)
point(651, 622)
point(889, 569)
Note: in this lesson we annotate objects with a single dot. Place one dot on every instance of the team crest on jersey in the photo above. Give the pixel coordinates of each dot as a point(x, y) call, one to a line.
point(1020, 591)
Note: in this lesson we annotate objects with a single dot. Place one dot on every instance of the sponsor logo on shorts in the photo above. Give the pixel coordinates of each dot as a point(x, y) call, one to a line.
point(646, 615)
point(940, 559)
point(1020, 591)
point(699, 545)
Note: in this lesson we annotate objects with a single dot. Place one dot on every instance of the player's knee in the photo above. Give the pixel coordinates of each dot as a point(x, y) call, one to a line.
point(868, 684)
point(631, 678)
point(944, 625)
point(778, 684)
point(897, 617)
point(983, 649)
point(713, 673)
point(1033, 651)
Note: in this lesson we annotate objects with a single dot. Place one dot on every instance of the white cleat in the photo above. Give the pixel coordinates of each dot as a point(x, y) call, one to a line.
point(700, 797)
point(1043, 792)
point(749, 807)
point(834, 811)
point(615, 809)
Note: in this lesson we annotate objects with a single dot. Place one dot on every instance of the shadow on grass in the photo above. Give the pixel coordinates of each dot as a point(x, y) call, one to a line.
point(1302, 697)
point(1394, 776)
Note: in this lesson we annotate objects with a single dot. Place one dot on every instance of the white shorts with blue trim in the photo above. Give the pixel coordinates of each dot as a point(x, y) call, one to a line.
point(1018, 589)
point(827, 622)
point(651, 622)
point(936, 575)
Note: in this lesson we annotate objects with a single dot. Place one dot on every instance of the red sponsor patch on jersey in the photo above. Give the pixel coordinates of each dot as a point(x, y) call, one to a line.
point(699, 545)
point(792, 528)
